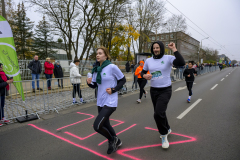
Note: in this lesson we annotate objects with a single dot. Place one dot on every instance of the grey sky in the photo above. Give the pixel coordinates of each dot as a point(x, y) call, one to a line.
point(218, 18)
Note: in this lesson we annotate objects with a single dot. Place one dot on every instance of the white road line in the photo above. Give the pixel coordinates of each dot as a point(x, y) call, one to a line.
point(214, 87)
point(222, 79)
point(226, 75)
point(188, 109)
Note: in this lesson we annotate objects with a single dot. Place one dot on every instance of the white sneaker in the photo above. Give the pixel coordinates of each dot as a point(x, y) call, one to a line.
point(1, 124)
point(139, 100)
point(169, 131)
point(165, 143)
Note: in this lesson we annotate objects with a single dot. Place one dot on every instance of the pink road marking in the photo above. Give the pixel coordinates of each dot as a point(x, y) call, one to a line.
point(91, 116)
point(70, 142)
point(80, 138)
point(121, 152)
point(119, 133)
point(83, 138)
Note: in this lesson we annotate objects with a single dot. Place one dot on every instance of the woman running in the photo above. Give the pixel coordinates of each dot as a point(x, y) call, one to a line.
point(141, 81)
point(160, 66)
point(109, 79)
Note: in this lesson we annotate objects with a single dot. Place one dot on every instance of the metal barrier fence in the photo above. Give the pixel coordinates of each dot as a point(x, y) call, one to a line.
point(84, 67)
point(178, 73)
point(44, 100)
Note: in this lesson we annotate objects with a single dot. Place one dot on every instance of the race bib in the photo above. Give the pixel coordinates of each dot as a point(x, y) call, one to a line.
point(156, 75)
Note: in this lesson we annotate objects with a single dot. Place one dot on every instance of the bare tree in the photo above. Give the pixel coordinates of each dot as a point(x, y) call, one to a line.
point(150, 15)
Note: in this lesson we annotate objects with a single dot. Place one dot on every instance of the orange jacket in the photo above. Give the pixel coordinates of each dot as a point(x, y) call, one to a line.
point(140, 68)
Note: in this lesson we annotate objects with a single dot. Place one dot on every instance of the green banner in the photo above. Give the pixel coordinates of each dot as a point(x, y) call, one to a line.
point(8, 55)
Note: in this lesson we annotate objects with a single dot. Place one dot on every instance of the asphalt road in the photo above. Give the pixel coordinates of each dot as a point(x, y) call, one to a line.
point(209, 130)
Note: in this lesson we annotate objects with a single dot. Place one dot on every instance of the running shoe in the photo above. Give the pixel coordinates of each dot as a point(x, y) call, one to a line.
point(189, 100)
point(169, 131)
point(139, 100)
point(119, 143)
point(4, 120)
point(82, 101)
point(75, 102)
point(1, 124)
point(165, 143)
point(146, 94)
point(112, 146)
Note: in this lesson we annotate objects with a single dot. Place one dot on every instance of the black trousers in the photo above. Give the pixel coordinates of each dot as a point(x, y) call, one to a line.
point(76, 88)
point(142, 83)
point(135, 81)
point(160, 98)
point(61, 82)
point(102, 123)
point(189, 87)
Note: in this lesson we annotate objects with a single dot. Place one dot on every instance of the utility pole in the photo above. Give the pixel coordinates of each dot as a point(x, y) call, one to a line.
point(3, 10)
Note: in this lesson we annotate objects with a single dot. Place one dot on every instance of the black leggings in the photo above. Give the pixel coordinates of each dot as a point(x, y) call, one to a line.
point(189, 87)
point(76, 88)
point(160, 98)
point(142, 83)
point(102, 123)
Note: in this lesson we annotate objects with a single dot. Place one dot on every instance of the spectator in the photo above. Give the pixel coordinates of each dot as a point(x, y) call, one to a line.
point(177, 72)
point(75, 79)
point(181, 68)
point(127, 65)
point(36, 68)
point(132, 67)
point(135, 78)
point(172, 74)
point(4, 86)
point(186, 65)
point(96, 89)
point(58, 73)
point(48, 72)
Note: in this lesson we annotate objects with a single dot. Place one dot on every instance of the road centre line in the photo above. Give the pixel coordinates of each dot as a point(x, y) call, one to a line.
point(222, 79)
point(188, 109)
point(226, 75)
point(214, 87)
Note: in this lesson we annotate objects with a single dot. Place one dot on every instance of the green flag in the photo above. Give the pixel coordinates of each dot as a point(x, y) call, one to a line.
point(8, 55)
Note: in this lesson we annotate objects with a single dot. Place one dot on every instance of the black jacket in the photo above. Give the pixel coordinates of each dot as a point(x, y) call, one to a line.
point(58, 72)
point(191, 72)
point(35, 67)
point(3, 86)
point(127, 67)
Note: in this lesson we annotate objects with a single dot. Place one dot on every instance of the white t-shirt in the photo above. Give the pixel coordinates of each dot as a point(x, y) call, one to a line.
point(110, 74)
point(160, 70)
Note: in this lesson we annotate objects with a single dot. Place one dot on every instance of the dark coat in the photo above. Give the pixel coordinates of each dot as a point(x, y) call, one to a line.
point(35, 67)
point(127, 67)
point(58, 72)
point(3, 86)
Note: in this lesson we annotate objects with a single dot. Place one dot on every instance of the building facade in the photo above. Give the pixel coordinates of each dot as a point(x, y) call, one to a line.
point(186, 45)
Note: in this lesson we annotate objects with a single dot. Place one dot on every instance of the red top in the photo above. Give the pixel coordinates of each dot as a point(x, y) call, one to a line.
point(48, 68)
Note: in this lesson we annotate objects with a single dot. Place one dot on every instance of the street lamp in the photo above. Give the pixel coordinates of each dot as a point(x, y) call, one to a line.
point(201, 47)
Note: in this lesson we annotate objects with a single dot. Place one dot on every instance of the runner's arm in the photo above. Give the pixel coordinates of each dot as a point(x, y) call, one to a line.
point(143, 72)
point(120, 84)
point(179, 61)
point(92, 85)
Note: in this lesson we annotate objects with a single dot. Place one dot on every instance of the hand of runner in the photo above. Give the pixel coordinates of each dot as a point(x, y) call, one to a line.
point(140, 72)
point(109, 91)
point(172, 46)
point(89, 80)
point(147, 76)
point(189, 75)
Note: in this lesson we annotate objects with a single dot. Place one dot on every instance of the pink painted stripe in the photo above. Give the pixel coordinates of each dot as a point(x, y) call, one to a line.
point(91, 116)
point(70, 142)
point(119, 133)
